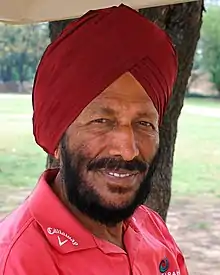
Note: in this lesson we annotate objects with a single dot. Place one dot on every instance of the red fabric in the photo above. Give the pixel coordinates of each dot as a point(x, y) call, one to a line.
point(91, 54)
point(41, 237)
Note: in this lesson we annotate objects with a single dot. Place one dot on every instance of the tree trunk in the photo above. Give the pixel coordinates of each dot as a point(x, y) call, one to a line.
point(183, 23)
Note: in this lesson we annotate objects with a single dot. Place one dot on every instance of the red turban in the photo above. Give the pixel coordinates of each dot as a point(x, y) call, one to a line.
point(88, 56)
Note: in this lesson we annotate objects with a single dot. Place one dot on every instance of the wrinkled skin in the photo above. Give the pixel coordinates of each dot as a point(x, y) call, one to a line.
point(106, 154)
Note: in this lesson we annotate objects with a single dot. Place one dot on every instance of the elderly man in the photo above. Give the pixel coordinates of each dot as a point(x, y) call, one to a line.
point(100, 93)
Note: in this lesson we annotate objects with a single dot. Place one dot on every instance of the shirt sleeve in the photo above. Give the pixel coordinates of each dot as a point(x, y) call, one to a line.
point(177, 252)
point(181, 263)
point(168, 240)
point(26, 261)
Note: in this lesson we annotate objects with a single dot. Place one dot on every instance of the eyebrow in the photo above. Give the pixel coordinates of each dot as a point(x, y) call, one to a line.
point(104, 110)
point(107, 110)
point(147, 114)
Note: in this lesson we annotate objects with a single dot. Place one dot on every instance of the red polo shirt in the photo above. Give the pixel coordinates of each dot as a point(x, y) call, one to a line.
point(42, 237)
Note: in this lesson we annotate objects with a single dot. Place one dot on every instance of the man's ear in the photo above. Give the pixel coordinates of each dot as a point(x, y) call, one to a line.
point(57, 153)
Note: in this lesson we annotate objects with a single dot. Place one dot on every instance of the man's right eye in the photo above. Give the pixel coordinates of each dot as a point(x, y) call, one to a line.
point(100, 120)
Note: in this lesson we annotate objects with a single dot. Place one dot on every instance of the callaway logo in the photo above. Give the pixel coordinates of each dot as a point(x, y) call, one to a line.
point(164, 266)
point(60, 242)
point(52, 231)
point(172, 273)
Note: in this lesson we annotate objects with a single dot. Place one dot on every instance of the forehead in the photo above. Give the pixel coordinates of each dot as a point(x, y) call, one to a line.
point(125, 93)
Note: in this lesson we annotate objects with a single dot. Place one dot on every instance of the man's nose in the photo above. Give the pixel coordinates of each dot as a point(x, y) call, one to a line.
point(123, 143)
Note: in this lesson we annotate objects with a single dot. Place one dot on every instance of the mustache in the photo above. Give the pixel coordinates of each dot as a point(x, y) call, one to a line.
point(116, 164)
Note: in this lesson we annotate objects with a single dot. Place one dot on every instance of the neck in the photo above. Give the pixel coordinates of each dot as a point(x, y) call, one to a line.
point(112, 234)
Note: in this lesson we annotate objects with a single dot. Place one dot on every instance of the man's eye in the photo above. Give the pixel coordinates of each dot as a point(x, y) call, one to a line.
point(146, 124)
point(100, 120)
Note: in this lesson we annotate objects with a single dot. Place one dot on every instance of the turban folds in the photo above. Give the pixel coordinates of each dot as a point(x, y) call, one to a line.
point(89, 55)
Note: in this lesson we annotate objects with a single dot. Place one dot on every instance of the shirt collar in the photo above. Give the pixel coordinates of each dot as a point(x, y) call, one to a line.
point(62, 229)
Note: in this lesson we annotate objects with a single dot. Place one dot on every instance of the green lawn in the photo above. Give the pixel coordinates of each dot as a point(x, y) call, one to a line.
point(202, 102)
point(15, 104)
point(197, 155)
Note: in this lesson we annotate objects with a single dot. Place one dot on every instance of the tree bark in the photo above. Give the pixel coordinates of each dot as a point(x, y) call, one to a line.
point(182, 22)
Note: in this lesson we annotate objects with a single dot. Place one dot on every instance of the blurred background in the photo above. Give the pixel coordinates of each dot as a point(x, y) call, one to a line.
point(194, 214)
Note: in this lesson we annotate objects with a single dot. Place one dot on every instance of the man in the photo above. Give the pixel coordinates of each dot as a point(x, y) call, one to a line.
point(100, 93)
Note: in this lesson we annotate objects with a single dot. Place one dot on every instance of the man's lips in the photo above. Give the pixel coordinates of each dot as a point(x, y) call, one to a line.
point(120, 175)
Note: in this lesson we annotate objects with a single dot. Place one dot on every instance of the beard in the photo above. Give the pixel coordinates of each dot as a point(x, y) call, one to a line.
point(82, 195)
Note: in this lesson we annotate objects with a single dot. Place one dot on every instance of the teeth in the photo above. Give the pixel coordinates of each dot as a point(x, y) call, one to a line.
point(118, 175)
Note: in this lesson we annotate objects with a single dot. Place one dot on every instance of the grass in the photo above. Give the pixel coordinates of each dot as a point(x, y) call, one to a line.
point(15, 104)
point(21, 160)
point(197, 155)
point(202, 102)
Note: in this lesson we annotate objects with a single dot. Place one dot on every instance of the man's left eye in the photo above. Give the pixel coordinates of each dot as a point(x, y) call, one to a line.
point(146, 124)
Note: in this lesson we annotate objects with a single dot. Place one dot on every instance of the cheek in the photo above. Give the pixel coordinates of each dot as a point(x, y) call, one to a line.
point(90, 144)
point(97, 143)
point(148, 146)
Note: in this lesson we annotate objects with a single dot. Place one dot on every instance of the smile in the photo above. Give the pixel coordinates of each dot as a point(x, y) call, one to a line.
point(126, 180)
point(120, 175)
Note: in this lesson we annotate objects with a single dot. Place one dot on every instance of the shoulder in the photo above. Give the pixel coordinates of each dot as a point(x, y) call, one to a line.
point(21, 240)
point(150, 222)
point(145, 215)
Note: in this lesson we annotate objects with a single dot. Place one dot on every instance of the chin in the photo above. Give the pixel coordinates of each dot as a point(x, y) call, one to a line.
point(117, 201)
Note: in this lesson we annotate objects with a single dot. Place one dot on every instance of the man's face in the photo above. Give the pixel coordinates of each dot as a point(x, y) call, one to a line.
point(106, 153)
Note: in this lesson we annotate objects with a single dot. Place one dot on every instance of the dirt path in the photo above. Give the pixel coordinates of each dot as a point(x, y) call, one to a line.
point(194, 223)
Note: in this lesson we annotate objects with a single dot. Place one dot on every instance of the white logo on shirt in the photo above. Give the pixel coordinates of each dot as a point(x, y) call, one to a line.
point(60, 242)
point(52, 231)
point(172, 273)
